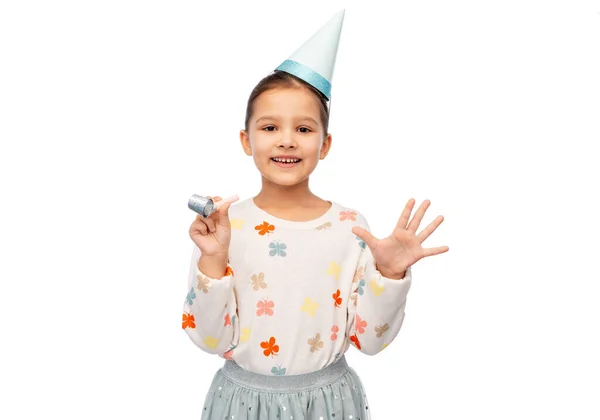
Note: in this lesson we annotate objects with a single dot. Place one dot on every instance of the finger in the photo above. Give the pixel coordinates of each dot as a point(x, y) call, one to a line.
point(366, 236)
point(403, 221)
point(416, 220)
point(200, 219)
point(231, 199)
point(223, 212)
point(201, 227)
point(427, 252)
point(210, 223)
point(424, 234)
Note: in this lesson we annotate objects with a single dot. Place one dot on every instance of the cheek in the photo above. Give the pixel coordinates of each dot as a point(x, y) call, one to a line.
point(261, 154)
point(314, 150)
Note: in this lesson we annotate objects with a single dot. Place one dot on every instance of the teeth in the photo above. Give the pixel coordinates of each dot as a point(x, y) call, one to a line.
point(286, 160)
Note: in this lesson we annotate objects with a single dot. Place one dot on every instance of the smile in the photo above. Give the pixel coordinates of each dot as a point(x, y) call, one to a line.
point(286, 163)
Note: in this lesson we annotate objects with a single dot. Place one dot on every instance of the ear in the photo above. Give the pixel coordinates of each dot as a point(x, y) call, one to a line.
point(245, 140)
point(325, 146)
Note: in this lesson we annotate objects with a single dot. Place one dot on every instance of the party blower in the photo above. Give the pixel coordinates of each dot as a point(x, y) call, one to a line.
point(205, 206)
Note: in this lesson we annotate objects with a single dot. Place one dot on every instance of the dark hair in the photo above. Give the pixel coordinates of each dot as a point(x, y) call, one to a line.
point(282, 79)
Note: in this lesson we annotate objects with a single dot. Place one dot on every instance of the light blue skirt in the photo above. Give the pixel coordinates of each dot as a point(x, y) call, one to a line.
point(332, 393)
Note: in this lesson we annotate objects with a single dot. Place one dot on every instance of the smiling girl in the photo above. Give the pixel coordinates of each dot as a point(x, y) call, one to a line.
point(283, 283)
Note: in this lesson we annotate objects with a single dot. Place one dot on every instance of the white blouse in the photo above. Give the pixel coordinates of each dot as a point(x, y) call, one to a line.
point(295, 295)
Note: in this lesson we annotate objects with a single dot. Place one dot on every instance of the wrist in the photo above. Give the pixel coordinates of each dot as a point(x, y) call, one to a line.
point(213, 266)
point(391, 274)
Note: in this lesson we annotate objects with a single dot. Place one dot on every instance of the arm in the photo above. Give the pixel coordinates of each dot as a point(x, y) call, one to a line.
point(209, 311)
point(376, 305)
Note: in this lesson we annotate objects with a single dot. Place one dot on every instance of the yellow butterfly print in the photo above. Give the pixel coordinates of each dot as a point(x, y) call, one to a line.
point(384, 346)
point(236, 224)
point(353, 298)
point(245, 335)
point(204, 283)
point(324, 226)
point(211, 341)
point(310, 306)
point(376, 287)
point(258, 281)
point(381, 329)
point(315, 343)
point(334, 269)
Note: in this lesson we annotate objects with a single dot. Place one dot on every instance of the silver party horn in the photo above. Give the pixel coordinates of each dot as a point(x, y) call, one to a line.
point(205, 206)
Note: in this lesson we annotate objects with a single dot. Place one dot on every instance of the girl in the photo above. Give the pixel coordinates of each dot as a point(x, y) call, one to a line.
point(283, 283)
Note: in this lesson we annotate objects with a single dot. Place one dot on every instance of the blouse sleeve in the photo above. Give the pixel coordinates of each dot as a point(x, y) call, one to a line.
point(210, 309)
point(376, 305)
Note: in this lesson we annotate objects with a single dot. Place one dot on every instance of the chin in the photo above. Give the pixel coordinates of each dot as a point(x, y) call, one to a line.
point(284, 180)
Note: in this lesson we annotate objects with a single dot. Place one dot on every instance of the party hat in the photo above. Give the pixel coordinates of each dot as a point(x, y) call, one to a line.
point(314, 61)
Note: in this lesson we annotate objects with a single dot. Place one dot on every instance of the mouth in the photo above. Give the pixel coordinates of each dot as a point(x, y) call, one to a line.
point(286, 162)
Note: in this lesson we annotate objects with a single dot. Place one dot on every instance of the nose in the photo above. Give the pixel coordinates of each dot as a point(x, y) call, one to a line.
point(287, 139)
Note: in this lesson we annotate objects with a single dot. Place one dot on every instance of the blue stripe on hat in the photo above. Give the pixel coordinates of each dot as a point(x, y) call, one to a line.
point(308, 75)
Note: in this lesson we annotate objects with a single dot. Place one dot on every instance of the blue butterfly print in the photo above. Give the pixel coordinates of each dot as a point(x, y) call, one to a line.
point(361, 243)
point(233, 321)
point(361, 284)
point(191, 296)
point(277, 248)
point(278, 370)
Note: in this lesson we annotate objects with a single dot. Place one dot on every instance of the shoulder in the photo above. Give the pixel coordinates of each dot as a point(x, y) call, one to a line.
point(351, 215)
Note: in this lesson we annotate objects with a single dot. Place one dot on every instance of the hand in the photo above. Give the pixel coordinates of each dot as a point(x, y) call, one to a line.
point(212, 234)
point(394, 254)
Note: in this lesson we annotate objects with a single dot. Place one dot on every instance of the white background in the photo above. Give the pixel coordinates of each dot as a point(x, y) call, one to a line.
point(113, 113)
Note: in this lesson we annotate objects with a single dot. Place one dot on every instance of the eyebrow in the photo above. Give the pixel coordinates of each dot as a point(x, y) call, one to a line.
point(269, 117)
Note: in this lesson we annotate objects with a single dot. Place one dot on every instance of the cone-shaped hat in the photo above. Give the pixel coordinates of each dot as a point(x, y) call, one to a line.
point(314, 61)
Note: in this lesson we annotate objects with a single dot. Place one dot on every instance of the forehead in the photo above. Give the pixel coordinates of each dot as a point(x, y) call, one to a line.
point(287, 102)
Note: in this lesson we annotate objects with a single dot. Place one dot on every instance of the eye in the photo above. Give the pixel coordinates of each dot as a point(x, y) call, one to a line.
point(305, 128)
point(269, 126)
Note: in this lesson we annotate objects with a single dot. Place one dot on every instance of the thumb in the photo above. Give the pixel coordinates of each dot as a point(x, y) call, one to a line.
point(224, 211)
point(365, 235)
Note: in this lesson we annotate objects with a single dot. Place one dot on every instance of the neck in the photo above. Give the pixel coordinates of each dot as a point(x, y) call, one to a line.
point(281, 196)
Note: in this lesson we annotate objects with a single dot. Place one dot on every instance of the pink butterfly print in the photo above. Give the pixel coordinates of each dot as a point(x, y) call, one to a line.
point(228, 355)
point(227, 320)
point(360, 325)
point(265, 307)
point(334, 330)
point(348, 214)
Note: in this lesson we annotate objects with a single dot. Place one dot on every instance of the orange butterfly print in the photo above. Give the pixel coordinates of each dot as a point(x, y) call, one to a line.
point(227, 320)
point(347, 215)
point(188, 321)
point(270, 348)
point(265, 307)
point(228, 271)
point(360, 325)
point(354, 339)
point(334, 331)
point(381, 329)
point(337, 300)
point(264, 228)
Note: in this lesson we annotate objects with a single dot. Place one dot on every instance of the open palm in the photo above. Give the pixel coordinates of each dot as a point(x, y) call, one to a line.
point(394, 254)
